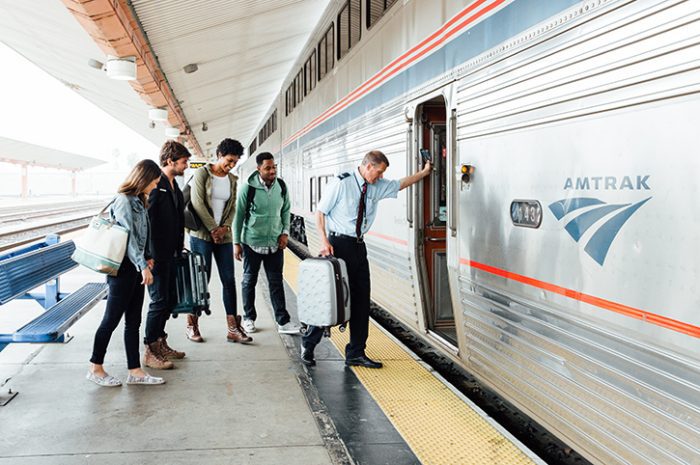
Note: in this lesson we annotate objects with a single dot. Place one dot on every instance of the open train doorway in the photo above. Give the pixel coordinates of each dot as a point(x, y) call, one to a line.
point(432, 219)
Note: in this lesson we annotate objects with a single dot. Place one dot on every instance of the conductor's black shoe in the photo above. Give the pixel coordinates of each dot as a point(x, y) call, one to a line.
point(362, 361)
point(307, 357)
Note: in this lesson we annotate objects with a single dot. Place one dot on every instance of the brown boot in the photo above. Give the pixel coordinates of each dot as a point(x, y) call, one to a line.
point(192, 329)
point(235, 332)
point(152, 357)
point(168, 352)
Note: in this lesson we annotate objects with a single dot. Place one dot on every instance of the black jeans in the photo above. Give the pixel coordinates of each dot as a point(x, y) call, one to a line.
point(163, 300)
point(273, 263)
point(223, 254)
point(355, 256)
point(125, 298)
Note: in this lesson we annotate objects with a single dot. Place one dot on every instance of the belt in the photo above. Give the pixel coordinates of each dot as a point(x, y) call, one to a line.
point(359, 240)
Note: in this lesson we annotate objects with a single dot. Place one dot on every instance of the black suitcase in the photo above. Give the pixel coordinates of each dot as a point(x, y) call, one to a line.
point(191, 285)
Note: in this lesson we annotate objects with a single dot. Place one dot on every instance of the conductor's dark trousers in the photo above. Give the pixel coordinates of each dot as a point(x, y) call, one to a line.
point(354, 254)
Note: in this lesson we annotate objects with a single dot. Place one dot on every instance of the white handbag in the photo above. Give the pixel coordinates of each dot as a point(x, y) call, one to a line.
point(102, 247)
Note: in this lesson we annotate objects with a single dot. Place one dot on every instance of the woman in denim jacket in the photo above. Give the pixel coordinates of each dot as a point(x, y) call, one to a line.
point(126, 290)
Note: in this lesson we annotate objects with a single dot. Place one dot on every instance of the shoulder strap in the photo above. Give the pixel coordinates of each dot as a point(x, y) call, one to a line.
point(249, 197)
point(283, 187)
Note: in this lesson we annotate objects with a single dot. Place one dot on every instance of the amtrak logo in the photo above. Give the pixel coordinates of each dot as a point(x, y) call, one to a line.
point(605, 233)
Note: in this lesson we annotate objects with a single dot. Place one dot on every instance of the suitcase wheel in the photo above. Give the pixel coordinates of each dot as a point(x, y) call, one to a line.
point(342, 327)
point(207, 311)
point(174, 315)
point(303, 329)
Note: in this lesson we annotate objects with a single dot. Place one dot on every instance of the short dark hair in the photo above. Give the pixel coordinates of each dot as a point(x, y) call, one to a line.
point(375, 157)
point(229, 147)
point(261, 157)
point(173, 150)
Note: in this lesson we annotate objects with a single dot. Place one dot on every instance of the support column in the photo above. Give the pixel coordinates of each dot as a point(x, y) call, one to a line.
point(24, 192)
point(74, 183)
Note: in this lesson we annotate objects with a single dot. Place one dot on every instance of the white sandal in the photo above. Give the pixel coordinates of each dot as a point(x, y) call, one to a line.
point(105, 381)
point(148, 379)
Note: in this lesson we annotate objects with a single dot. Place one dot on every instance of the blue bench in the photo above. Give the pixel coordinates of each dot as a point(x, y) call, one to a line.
point(23, 270)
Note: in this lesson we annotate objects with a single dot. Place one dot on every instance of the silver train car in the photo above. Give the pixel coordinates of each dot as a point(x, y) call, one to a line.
point(563, 272)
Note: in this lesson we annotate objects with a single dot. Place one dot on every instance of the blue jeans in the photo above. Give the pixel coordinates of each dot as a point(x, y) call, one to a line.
point(223, 254)
point(273, 269)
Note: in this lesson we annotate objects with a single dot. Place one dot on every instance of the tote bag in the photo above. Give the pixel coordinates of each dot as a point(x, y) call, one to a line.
point(102, 247)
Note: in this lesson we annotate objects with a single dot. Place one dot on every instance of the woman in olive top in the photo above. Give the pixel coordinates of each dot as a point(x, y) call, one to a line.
point(213, 196)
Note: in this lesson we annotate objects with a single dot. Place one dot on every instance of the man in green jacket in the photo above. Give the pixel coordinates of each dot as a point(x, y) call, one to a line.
point(260, 234)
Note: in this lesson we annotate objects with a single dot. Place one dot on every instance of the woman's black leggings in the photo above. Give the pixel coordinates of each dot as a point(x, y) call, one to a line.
point(125, 298)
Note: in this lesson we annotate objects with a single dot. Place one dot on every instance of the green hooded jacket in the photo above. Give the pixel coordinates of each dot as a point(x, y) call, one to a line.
point(268, 217)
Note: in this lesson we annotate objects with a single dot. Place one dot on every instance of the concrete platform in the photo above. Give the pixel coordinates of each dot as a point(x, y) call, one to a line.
point(225, 403)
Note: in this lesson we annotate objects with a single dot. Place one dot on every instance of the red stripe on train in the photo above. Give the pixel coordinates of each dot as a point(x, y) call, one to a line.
point(675, 325)
point(387, 72)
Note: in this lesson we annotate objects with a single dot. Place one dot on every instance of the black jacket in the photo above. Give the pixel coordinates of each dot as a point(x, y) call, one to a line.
point(167, 220)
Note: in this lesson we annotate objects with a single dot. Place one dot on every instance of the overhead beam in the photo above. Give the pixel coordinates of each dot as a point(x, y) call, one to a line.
point(114, 27)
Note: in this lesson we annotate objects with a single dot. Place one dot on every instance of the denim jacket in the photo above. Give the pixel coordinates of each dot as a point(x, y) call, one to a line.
point(129, 212)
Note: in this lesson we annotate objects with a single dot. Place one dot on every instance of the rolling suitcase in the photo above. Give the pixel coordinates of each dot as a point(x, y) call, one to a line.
point(191, 285)
point(324, 293)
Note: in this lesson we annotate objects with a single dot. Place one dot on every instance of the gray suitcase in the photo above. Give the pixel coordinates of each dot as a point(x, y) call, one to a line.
point(324, 292)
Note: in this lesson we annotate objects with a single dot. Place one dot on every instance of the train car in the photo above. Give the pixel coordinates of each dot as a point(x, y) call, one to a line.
point(553, 251)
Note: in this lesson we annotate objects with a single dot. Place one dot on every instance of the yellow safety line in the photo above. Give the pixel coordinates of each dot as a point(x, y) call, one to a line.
point(437, 425)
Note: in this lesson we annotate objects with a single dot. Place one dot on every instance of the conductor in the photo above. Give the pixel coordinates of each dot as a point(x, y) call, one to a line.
point(344, 215)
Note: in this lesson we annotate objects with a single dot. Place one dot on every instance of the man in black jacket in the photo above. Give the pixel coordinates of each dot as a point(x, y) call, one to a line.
point(166, 208)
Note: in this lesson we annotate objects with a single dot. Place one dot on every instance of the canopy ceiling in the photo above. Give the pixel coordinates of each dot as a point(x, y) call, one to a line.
point(243, 50)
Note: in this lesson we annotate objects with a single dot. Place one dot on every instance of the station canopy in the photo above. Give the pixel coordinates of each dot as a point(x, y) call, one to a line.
point(237, 52)
point(15, 151)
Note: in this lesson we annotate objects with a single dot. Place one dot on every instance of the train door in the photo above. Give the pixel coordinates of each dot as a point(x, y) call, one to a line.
point(432, 219)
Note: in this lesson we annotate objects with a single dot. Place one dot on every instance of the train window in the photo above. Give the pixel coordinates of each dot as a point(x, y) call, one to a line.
point(348, 27)
point(290, 98)
point(310, 73)
point(269, 127)
point(312, 194)
point(322, 181)
point(299, 86)
point(252, 148)
point(326, 59)
point(376, 9)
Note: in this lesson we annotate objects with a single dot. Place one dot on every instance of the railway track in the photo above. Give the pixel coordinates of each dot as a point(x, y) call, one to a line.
point(61, 220)
point(20, 214)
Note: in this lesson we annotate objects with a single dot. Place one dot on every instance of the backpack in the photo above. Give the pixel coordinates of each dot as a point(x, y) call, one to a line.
point(250, 196)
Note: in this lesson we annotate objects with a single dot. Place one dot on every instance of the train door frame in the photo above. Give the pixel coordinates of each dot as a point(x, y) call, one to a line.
point(446, 336)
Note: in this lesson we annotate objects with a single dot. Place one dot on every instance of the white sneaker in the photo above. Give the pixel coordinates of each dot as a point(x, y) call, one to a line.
point(288, 328)
point(248, 325)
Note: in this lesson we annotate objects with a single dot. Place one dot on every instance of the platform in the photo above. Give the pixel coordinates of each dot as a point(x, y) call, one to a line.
point(234, 404)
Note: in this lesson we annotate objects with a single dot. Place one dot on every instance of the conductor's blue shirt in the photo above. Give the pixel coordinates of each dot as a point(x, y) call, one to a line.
point(341, 200)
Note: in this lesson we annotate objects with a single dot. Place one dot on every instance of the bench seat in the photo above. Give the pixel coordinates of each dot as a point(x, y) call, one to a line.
point(54, 322)
point(20, 274)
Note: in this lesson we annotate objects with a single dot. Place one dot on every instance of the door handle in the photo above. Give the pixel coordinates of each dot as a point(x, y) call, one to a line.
point(409, 170)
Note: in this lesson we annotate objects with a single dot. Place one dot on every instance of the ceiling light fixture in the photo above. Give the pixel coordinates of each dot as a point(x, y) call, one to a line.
point(191, 68)
point(123, 69)
point(95, 64)
point(158, 114)
point(204, 127)
point(172, 133)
